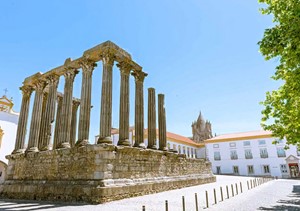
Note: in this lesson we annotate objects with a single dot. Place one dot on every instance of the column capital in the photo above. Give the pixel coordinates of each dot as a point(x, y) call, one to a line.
point(76, 103)
point(53, 79)
point(39, 85)
point(124, 67)
point(26, 90)
point(108, 58)
point(139, 76)
point(88, 65)
point(70, 73)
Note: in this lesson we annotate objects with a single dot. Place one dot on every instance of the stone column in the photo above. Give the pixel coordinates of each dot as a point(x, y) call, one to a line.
point(139, 108)
point(76, 104)
point(45, 97)
point(162, 131)
point(124, 104)
point(85, 107)
point(46, 129)
point(66, 114)
point(22, 124)
point(57, 120)
point(151, 119)
point(36, 117)
point(106, 100)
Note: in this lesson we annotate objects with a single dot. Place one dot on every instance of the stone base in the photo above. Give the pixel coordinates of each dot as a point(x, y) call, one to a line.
point(100, 173)
point(95, 191)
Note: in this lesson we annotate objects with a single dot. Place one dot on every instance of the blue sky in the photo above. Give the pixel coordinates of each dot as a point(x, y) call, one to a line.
point(203, 55)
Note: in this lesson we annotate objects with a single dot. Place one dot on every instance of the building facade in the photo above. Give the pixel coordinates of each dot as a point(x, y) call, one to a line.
point(8, 129)
point(176, 143)
point(252, 154)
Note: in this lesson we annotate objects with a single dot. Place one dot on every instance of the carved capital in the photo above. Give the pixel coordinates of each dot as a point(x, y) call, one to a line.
point(139, 76)
point(39, 85)
point(53, 79)
point(26, 90)
point(59, 97)
point(70, 74)
point(108, 58)
point(88, 65)
point(76, 103)
point(125, 67)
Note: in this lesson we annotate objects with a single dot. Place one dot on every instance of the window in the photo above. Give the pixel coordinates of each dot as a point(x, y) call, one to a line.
point(179, 149)
point(218, 168)
point(248, 154)
point(250, 170)
point(263, 153)
point(183, 149)
point(246, 143)
point(266, 169)
point(188, 151)
point(169, 147)
point(216, 146)
point(174, 147)
point(195, 151)
point(192, 152)
point(233, 155)
point(217, 156)
point(232, 144)
point(235, 169)
point(283, 168)
point(261, 142)
point(280, 152)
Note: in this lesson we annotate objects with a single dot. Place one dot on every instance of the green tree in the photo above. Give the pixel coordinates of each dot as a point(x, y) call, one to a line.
point(281, 114)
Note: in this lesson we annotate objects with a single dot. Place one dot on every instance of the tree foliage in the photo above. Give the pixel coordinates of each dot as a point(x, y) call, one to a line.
point(282, 42)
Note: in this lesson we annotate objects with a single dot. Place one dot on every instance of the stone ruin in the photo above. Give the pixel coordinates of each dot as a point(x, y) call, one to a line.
point(71, 169)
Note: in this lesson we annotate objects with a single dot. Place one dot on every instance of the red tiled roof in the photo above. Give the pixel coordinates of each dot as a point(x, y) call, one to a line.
point(241, 135)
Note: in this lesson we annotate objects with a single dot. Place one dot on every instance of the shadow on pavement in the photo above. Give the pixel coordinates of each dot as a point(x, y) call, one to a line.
point(290, 205)
point(11, 204)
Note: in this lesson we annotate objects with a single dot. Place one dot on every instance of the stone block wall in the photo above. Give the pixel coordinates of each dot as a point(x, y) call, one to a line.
point(100, 173)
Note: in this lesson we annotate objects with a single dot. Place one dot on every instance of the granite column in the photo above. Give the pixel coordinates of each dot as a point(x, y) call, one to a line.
point(139, 108)
point(85, 107)
point(151, 119)
point(36, 117)
point(124, 104)
point(66, 114)
point(22, 124)
point(106, 100)
point(46, 128)
point(162, 131)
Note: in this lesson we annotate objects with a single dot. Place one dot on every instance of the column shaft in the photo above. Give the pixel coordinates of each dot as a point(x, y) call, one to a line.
point(43, 120)
point(162, 132)
point(36, 117)
point(139, 109)
point(124, 104)
point(65, 131)
point(151, 119)
point(106, 100)
point(57, 121)
point(85, 107)
point(22, 124)
point(46, 128)
point(76, 104)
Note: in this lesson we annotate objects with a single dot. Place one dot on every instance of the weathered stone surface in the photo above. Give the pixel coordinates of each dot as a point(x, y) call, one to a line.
point(100, 173)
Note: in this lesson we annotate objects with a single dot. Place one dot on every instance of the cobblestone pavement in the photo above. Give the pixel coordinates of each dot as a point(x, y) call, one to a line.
point(281, 194)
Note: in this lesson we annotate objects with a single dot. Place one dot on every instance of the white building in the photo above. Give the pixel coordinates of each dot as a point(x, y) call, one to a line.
point(252, 154)
point(8, 130)
point(175, 142)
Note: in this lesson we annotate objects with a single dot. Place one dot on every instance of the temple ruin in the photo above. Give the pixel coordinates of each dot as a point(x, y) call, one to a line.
point(72, 169)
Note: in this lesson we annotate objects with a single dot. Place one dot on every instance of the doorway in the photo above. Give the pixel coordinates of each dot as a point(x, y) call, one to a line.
point(294, 170)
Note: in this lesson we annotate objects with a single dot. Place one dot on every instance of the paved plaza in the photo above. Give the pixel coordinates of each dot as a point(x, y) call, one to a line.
point(281, 194)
